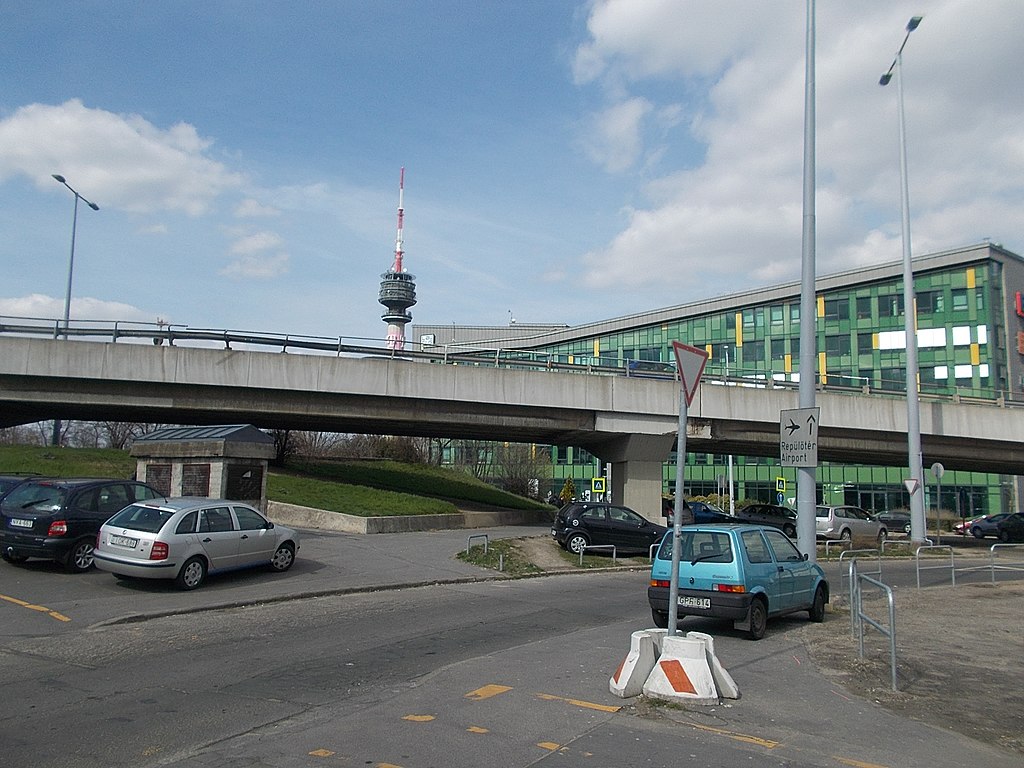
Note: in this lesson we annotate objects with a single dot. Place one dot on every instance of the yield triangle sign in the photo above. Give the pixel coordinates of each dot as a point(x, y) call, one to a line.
point(690, 362)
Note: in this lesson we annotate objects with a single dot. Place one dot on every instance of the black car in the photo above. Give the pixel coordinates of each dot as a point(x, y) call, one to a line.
point(59, 519)
point(11, 480)
point(1011, 528)
point(895, 520)
point(699, 512)
point(770, 514)
point(584, 523)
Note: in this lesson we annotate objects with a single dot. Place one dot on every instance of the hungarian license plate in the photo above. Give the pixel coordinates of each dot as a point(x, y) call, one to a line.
point(124, 541)
point(694, 602)
point(17, 522)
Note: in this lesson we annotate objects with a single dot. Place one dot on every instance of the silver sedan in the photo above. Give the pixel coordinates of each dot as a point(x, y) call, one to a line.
point(187, 538)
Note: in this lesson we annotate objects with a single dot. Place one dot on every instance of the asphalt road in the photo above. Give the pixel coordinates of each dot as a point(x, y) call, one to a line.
point(316, 667)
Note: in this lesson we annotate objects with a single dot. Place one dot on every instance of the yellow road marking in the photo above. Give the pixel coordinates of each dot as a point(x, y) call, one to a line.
point(579, 703)
point(549, 745)
point(487, 692)
point(31, 607)
point(477, 729)
point(321, 753)
point(767, 743)
point(857, 763)
point(419, 718)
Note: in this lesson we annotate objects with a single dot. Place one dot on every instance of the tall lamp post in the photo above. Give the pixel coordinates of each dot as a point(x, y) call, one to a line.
point(915, 484)
point(55, 437)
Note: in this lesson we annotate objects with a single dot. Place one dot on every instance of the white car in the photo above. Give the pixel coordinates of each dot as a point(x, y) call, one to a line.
point(846, 522)
point(188, 537)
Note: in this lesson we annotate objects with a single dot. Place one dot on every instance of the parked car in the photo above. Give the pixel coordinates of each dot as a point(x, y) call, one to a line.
point(1011, 528)
point(584, 523)
point(894, 520)
point(746, 573)
point(187, 538)
point(847, 522)
point(58, 519)
point(774, 515)
point(10, 481)
point(701, 512)
point(986, 525)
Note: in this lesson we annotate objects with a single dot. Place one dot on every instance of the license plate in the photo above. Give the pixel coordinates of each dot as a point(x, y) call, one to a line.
point(554, 532)
point(123, 541)
point(694, 602)
point(19, 523)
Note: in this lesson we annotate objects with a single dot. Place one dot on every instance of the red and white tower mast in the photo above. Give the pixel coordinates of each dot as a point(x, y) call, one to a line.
point(397, 287)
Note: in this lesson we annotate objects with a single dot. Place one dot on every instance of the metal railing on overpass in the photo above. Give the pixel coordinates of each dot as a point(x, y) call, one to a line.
point(172, 334)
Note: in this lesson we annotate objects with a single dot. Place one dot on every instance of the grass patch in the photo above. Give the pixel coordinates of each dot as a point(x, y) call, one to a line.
point(503, 552)
point(351, 499)
point(66, 462)
point(417, 479)
point(603, 560)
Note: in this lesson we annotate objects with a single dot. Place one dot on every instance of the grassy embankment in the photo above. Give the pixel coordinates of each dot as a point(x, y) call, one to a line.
point(363, 488)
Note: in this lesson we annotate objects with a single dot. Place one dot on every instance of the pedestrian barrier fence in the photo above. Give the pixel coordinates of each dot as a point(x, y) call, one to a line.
point(598, 546)
point(472, 537)
point(844, 543)
point(861, 618)
point(1011, 549)
point(934, 549)
point(848, 575)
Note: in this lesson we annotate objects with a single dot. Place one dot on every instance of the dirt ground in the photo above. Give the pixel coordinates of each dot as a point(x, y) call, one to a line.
point(959, 658)
point(959, 653)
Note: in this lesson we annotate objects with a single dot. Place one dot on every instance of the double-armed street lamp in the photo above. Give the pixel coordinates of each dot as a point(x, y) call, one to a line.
point(915, 484)
point(71, 270)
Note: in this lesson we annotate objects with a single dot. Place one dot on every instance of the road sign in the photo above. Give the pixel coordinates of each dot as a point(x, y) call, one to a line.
point(798, 437)
point(780, 485)
point(690, 362)
point(597, 484)
point(912, 485)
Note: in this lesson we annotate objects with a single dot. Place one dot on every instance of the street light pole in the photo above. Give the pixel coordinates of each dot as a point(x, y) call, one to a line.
point(55, 437)
point(915, 484)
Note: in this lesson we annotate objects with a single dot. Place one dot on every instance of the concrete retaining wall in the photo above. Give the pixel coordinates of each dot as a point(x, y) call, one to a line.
point(306, 517)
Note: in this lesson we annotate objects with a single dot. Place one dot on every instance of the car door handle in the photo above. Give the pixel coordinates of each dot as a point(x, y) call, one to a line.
point(245, 536)
point(781, 569)
point(207, 540)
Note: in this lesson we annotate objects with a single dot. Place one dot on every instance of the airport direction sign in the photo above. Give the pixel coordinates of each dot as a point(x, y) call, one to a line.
point(798, 437)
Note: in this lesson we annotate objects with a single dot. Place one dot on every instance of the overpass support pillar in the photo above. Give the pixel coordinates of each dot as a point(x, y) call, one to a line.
point(637, 470)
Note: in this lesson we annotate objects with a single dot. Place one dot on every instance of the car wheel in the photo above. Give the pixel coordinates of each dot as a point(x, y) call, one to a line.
point(846, 535)
point(16, 559)
point(1004, 536)
point(283, 558)
point(660, 619)
point(789, 530)
point(976, 533)
point(817, 609)
point(79, 559)
point(576, 543)
point(758, 619)
point(882, 536)
point(906, 529)
point(192, 574)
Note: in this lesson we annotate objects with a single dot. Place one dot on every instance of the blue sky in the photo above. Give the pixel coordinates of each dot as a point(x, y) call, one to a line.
point(566, 162)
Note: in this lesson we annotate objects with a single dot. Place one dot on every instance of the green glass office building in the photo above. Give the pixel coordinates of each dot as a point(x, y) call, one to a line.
point(970, 334)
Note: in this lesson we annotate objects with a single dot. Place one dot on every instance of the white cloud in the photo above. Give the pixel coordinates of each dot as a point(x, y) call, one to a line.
point(116, 161)
point(256, 242)
point(251, 209)
point(254, 266)
point(728, 210)
point(41, 306)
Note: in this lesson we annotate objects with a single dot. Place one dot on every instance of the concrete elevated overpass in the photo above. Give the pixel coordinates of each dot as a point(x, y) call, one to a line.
point(628, 422)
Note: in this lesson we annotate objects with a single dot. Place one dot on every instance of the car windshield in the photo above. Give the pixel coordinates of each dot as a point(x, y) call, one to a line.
point(35, 497)
point(699, 546)
point(137, 517)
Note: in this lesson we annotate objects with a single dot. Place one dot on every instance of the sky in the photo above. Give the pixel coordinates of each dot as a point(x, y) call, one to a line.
point(565, 162)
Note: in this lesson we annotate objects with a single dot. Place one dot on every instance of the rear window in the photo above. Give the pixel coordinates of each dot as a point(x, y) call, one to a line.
point(821, 512)
point(35, 497)
point(139, 518)
point(700, 546)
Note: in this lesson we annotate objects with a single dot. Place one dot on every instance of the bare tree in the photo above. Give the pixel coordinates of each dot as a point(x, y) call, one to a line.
point(522, 467)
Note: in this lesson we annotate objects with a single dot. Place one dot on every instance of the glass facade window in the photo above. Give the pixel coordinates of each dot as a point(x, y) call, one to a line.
point(836, 309)
point(865, 343)
point(890, 305)
point(960, 300)
point(930, 302)
point(837, 345)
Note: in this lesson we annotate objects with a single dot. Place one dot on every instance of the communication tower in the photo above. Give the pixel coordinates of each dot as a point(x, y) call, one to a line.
point(397, 287)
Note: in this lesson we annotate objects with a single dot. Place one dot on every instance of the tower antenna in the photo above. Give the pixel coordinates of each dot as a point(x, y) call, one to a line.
point(397, 287)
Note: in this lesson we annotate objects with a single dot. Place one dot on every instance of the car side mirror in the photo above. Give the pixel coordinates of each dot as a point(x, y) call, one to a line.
point(806, 556)
point(270, 525)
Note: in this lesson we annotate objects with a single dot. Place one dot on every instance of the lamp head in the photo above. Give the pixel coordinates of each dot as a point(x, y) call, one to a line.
point(60, 178)
point(94, 206)
point(914, 23)
point(884, 80)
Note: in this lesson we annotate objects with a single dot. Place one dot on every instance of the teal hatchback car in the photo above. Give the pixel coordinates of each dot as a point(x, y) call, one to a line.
point(746, 573)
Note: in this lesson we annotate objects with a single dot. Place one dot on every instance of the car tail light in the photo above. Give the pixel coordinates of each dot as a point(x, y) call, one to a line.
point(660, 583)
point(57, 528)
point(729, 588)
point(159, 551)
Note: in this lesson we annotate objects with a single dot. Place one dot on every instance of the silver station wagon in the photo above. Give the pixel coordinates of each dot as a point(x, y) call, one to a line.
point(187, 538)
